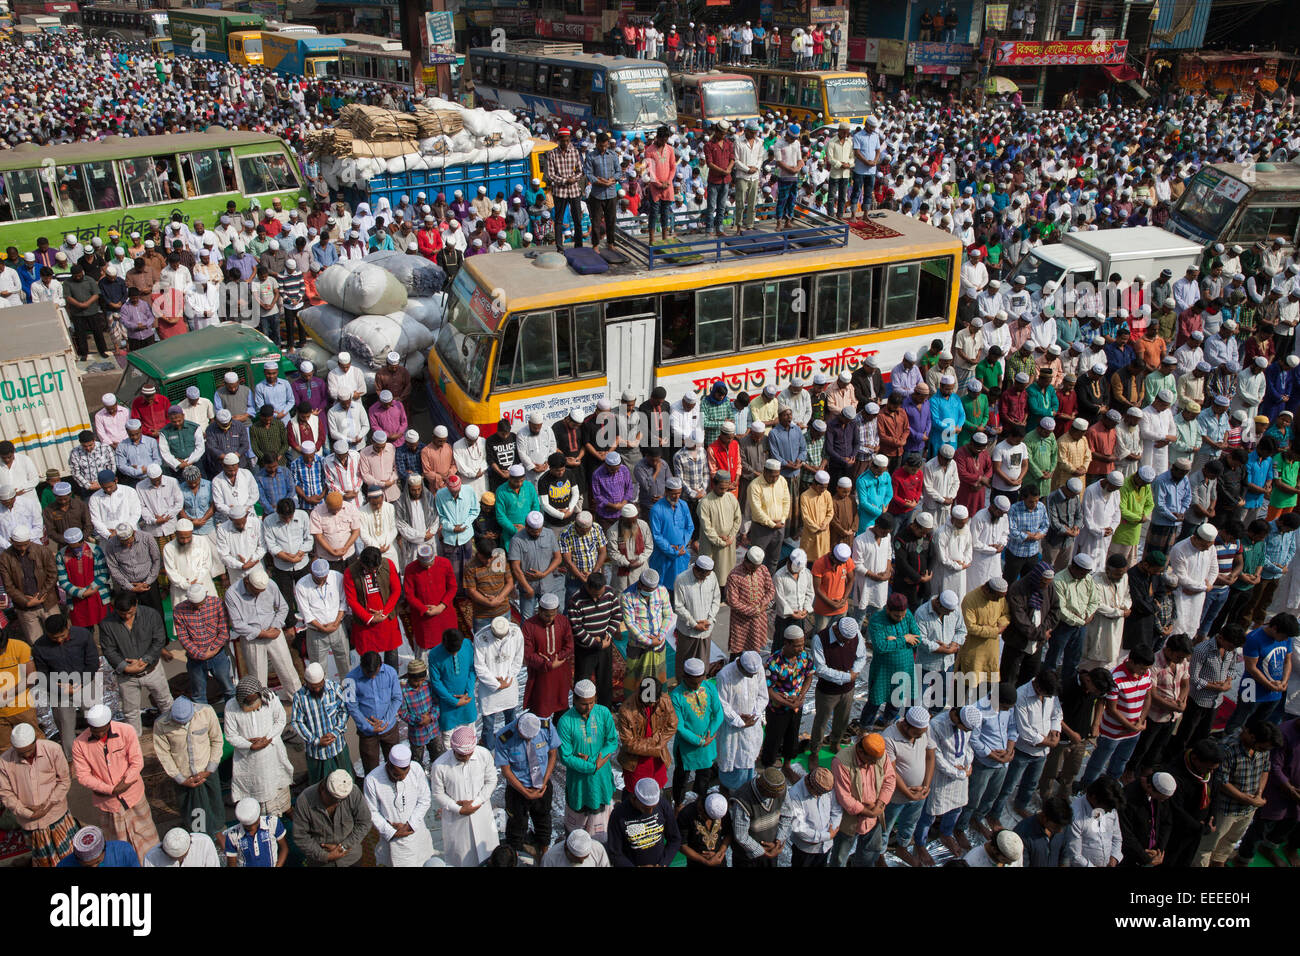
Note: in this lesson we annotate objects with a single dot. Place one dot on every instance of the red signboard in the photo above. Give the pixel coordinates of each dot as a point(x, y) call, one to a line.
point(1056, 52)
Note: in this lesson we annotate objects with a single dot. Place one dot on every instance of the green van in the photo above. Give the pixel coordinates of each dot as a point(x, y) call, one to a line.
point(201, 358)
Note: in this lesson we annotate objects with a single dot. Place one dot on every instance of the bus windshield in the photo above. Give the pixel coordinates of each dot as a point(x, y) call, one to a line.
point(252, 45)
point(641, 97)
point(848, 95)
point(723, 99)
point(1211, 199)
point(464, 342)
point(1038, 272)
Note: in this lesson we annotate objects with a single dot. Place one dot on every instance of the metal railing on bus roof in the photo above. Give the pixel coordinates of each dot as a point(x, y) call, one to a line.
point(811, 230)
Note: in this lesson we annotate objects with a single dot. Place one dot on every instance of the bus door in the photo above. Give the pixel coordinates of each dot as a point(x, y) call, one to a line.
point(629, 343)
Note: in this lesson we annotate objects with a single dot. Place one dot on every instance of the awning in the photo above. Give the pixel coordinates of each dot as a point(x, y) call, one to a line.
point(1121, 72)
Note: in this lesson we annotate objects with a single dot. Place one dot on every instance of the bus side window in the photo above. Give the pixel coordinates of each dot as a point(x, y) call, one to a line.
point(772, 311)
point(589, 353)
point(900, 294)
point(843, 302)
point(494, 72)
point(476, 64)
point(26, 194)
point(562, 83)
point(714, 318)
point(678, 324)
point(582, 80)
point(600, 105)
point(141, 180)
point(509, 70)
point(1254, 224)
point(543, 79)
point(525, 73)
point(102, 185)
point(1285, 220)
point(692, 104)
point(811, 94)
point(935, 288)
point(507, 353)
point(70, 195)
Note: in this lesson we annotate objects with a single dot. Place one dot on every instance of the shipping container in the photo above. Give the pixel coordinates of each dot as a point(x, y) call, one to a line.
point(42, 407)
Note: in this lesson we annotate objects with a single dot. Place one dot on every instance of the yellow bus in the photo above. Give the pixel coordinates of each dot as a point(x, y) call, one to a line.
point(705, 98)
point(519, 337)
point(814, 97)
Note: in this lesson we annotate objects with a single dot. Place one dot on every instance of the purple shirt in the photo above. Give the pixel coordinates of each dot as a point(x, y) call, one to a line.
point(138, 319)
point(607, 488)
point(904, 380)
point(390, 419)
point(313, 391)
point(918, 423)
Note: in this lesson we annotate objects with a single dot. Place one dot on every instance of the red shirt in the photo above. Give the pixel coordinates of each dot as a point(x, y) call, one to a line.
point(1131, 693)
point(720, 153)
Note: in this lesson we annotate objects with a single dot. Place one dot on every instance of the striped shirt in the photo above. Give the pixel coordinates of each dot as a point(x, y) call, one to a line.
point(1025, 522)
point(1243, 770)
point(1206, 667)
point(417, 700)
point(343, 476)
point(1227, 552)
point(594, 620)
point(309, 476)
point(1131, 693)
point(692, 467)
point(202, 629)
point(313, 717)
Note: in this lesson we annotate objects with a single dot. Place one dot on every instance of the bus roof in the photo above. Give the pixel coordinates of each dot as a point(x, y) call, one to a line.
point(368, 40)
point(217, 345)
point(1266, 175)
point(824, 74)
point(710, 75)
point(118, 147)
point(575, 59)
point(196, 13)
point(527, 286)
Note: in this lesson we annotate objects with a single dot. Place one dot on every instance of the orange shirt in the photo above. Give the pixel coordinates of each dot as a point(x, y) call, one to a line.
point(833, 579)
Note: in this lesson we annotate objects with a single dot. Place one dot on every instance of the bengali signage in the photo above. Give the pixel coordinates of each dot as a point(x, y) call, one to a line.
point(995, 16)
point(940, 54)
point(1057, 52)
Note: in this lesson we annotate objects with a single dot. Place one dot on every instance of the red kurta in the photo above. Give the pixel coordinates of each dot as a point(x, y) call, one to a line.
point(152, 414)
point(547, 691)
point(84, 611)
point(971, 467)
point(426, 588)
point(386, 635)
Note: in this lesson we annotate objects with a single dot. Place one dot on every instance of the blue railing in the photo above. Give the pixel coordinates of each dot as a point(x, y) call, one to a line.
point(811, 230)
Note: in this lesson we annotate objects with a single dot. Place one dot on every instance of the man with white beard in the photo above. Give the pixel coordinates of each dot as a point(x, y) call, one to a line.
point(991, 301)
point(997, 333)
point(1128, 442)
point(399, 800)
point(470, 455)
point(742, 689)
point(1158, 432)
point(239, 542)
point(1194, 562)
point(1100, 517)
point(189, 561)
point(201, 300)
point(990, 530)
point(461, 782)
point(160, 502)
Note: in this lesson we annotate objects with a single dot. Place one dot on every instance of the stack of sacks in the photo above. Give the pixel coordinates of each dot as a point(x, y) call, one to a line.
point(417, 274)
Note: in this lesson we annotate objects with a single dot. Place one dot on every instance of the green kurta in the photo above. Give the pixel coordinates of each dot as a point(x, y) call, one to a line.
point(1135, 507)
point(977, 416)
point(893, 661)
point(699, 715)
point(512, 508)
point(1043, 456)
point(588, 788)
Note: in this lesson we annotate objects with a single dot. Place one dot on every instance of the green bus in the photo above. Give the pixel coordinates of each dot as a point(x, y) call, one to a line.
point(122, 183)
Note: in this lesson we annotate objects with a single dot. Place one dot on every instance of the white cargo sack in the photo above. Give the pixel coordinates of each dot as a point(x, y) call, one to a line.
point(371, 337)
point(427, 310)
point(324, 323)
point(361, 288)
point(417, 275)
point(319, 356)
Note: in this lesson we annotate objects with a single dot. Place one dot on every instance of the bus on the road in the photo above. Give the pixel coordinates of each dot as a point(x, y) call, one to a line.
point(705, 98)
point(89, 188)
point(813, 97)
point(223, 35)
point(519, 338)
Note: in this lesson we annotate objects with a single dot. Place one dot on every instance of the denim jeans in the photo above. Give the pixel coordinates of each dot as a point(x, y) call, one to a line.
point(1022, 778)
point(864, 190)
point(785, 189)
point(1110, 756)
point(733, 780)
point(1065, 648)
point(863, 850)
point(217, 667)
point(493, 723)
point(1214, 602)
point(717, 207)
point(904, 817)
point(1270, 710)
point(982, 789)
point(947, 823)
point(271, 327)
point(659, 213)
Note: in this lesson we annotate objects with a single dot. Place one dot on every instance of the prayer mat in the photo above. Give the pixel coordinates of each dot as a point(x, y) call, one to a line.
point(870, 229)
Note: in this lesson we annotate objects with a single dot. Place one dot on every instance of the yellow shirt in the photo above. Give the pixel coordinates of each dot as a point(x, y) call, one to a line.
point(12, 658)
point(769, 505)
point(764, 410)
point(1072, 454)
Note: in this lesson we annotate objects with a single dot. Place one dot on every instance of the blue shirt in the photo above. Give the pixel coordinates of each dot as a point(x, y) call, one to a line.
point(197, 504)
point(787, 444)
point(997, 732)
point(866, 142)
point(326, 253)
point(1172, 498)
point(1270, 658)
point(309, 476)
point(451, 676)
point(1258, 471)
point(271, 488)
point(133, 459)
point(527, 759)
point(255, 849)
point(460, 510)
point(1024, 522)
point(599, 165)
point(1279, 550)
point(279, 396)
point(116, 853)
point(379, 697)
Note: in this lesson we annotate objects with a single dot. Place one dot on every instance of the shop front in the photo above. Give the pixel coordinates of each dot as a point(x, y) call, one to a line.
point(1045, 70)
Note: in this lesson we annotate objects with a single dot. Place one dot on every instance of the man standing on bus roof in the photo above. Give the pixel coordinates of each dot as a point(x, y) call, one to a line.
point(749, 154)
point(564, 174)
point(720, 157)
point(661, 170)
point(867, 150)
point(601, 169)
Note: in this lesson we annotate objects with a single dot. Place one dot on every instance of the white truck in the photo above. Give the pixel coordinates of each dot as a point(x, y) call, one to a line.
point(1094, 256)
point(42, 407)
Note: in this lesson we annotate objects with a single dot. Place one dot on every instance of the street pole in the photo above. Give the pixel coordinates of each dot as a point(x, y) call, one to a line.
point(413, 41)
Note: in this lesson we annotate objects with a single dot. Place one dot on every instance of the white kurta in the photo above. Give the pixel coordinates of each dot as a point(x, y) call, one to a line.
point(1196, 571)
point(954, 550)
point(1106, 629)
point(1155, 426)
point(197, 564)
point(874, 556)
point(1100, 511)
point(939, 482)
point(260, 774)
point(739, 693)
point(466, 840)
point(498, 658)
point(989, 539)
point(404, 801)
point(237, 547)
point(954, 752)
point(471, 460)
point(1128, 441)
point(163, 499)
point(379, 530)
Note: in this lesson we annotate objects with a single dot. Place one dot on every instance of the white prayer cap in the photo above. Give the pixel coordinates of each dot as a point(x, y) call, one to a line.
point(1164, 783)
point(440, 431)
point(754, 555)
point(1116, 478)
point(1010, 845)
point(516, 471)
point(844, 482)
point(23, 533)
point(925, 520)
point(133, 424)
point(306, 367)
point(998, 584)
point(400, 755)
point(948, 600)
point(230, 378)
point(176, 843)
point(1074, 486)
point(715, 806)
point(534, 418)
point(880, 461)
point(648, 792)
point(972, 717)
point(314, 673)
point(230, 458)
point(529, 725)
point(239, 511)
point(99, 716)
point(578, 843)
point(842, 552)
point(339, 784)
point(584, 690)
point(1207, 532)
point(1002, 503)
point(822, 477)
point(247, 811)
point(345, 358)
point(918, 716)
point(500, 625)
point(223, 416)
point(628, 511)
point(195, 593)
point(24, 735)
point(549, 601)
point(1084, 561)
point(750, 662)
point(154, 470)
point(184, 524)
point(960, 512)
point(694, 667)
point(772, 464)
point(534, 520)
